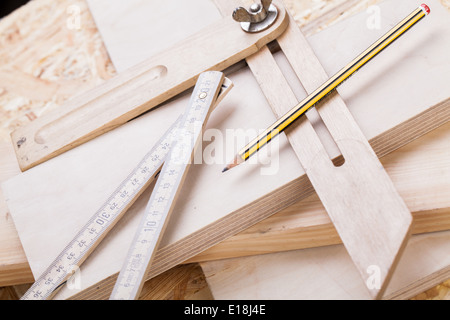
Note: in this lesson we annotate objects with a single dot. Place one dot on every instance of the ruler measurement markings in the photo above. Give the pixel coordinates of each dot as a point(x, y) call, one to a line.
point(76, 251)
point(162, 200)
point(100, 223)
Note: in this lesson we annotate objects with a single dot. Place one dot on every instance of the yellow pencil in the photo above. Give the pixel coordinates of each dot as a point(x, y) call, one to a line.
point(300, 109)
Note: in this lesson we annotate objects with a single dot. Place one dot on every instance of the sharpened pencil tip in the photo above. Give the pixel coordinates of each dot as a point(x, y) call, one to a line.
point(236, 161)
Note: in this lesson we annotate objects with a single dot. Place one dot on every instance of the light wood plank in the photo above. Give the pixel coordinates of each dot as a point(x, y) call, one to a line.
point(326, 273)
point(14, 267)
point(135, 30)
point(372, 219)
point(287, 194)
point(420, 173)
point(138, 89)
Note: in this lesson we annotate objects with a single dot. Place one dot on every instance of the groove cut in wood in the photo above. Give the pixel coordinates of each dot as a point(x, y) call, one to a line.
point(139, 89)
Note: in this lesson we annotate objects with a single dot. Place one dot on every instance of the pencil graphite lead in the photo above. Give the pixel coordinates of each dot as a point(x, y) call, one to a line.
point(236, 161)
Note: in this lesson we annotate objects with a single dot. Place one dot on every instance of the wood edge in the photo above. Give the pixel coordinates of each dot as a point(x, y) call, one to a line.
point(170, 256)
point(16, 274)
point(354, 248)
point(281, 25)
point(378, 294)
point(178, 252)
point(395, 138)
point(420, 286)
point(412, 129)
point(387, 152)
point(325, 234)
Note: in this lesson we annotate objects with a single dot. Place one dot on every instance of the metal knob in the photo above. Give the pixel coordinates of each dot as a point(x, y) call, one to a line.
point(258, 17)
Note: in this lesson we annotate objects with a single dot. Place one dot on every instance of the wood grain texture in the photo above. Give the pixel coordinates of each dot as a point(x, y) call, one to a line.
point(170, 181)
point(43, 63)
point(14, 267)
point(179, 251)
point(326, 273)
point(184, 282)
point(420, 173)
point(100, 67)
point(295, 52)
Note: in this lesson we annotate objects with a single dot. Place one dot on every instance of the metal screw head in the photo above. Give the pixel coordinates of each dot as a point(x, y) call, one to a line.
point(258, 17)
point(255, 14)
point(255, 7)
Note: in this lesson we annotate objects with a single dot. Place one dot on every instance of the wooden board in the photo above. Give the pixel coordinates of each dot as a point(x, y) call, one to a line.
point(372, 219)
point(235, 283)
point(420, 172)
point(355, 109)
point(151, 22)
point(43, 63)
point(326, 273)
point(35, 79)
point(90, 64)
point(14, 267)
point(138, 89)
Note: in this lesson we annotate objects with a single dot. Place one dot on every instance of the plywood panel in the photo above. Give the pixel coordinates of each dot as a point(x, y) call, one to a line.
point(227, 114)
point(326, 273)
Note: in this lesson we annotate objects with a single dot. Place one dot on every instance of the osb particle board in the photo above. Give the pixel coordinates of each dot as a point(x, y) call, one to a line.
point(43, 62)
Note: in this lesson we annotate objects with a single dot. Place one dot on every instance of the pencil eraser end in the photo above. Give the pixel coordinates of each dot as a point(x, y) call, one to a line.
point(425, 8)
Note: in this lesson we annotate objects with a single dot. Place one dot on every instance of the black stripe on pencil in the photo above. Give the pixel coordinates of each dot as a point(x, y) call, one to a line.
point(295, 113)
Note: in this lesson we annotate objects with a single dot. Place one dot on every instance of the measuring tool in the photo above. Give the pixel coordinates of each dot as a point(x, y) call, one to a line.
point(170, 180)
point(113, 209)
point(300, 109)
point(143, 87)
